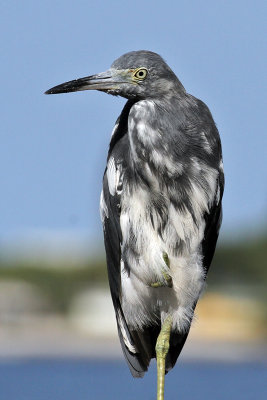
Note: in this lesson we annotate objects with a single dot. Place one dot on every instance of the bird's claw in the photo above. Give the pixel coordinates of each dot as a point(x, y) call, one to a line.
point(167, 278)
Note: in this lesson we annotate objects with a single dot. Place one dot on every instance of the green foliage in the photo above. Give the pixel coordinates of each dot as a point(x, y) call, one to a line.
point(59, 284)
point(240, 263)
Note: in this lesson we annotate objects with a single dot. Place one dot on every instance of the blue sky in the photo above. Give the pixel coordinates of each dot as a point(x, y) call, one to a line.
point(53, 148)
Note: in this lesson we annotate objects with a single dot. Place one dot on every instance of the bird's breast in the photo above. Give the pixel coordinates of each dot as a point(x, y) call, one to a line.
point(148, 234)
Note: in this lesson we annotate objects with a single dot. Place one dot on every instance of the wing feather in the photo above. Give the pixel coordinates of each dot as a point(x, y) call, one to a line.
point(136, 345)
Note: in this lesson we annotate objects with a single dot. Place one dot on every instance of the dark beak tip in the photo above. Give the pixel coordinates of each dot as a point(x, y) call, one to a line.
point(53, 91)
point(63, 88)
point(95, 82)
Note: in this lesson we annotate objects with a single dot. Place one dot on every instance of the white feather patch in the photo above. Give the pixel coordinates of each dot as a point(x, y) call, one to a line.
point(114, 129)
point(111, 176)
point(206, 143)
point(126, 340)
point(103, 207)
point(140, 302)
point(114, 177)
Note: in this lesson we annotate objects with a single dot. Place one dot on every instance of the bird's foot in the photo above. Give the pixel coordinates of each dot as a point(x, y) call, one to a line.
point(167, 279)
point(162, 348)
point(166, 282)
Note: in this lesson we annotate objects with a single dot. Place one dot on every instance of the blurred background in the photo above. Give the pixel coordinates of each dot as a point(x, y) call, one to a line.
point(57, 326)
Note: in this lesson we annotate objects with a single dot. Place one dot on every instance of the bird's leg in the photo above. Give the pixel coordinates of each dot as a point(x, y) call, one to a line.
point(162, 348)
point(167, 278)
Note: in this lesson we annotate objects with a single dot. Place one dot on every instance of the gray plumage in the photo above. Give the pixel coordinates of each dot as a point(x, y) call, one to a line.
point(161, 202)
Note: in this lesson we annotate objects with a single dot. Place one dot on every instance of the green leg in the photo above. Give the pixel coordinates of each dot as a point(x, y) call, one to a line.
point(167, 280)
point(162, 348)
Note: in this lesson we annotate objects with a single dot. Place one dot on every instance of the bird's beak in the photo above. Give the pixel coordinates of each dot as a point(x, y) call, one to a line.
point(105, 81)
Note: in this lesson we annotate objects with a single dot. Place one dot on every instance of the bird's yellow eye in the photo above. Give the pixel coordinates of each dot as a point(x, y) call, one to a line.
point(141, 73)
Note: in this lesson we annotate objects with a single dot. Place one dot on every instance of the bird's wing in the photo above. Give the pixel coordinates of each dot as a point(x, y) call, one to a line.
point(131, 345)
point(213, 224)
point(213, 219)
point(134, 344)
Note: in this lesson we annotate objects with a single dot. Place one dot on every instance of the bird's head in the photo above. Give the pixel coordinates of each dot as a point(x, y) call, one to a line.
point(135, 75)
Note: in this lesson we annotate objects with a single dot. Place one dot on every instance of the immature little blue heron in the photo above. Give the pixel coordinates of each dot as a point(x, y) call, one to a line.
point(160, 206)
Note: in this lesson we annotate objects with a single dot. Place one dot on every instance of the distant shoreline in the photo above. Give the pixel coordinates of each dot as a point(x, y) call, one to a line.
point(61, 340)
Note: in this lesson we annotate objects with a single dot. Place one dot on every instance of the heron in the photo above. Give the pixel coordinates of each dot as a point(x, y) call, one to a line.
point(161, 206)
